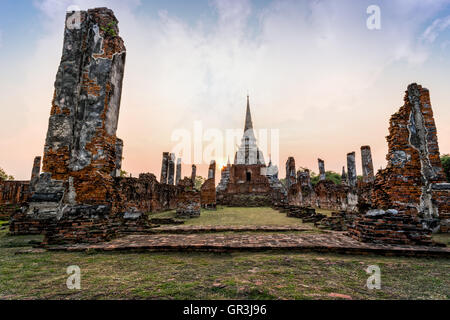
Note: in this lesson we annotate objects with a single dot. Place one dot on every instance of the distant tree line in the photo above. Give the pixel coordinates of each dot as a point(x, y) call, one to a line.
point(4, 176)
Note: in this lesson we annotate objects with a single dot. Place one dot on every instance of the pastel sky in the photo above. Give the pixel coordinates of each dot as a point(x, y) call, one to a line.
point(312, 68)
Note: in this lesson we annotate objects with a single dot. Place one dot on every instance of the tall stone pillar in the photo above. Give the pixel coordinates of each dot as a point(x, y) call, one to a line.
point(212, 170)
point(351, 167)
point(322, 175)
point(178, 178)
point(164, 168)
point(344, 176)
point(35, 172)
point(80, 146)
point(119, 156)
point(291, 178)
point(194, 173)
point(170, 179)
point(208, 189)
point(367, 164)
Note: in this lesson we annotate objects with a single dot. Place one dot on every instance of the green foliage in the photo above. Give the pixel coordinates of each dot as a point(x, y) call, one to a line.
point(199, 181)
point(123, 173)
point(445, 159)
point(4, 176)
point(330, 175)
point(109, 29)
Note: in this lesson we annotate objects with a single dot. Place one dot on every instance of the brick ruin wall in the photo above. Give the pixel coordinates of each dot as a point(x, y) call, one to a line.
point(208, 189)
point(188, 199)
point(410, 198)
point(80, 196)
point(245, 186)
point(414, 181)
point(13, 194)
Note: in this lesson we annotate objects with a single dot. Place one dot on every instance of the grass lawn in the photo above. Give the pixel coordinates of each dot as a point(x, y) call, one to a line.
point(237, 216)
point(42, 275)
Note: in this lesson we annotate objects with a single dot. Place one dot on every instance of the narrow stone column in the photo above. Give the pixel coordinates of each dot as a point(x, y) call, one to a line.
point(367, 164)
point(344, 176)
point(178, 178)
point(322, 175)
point(119, 154)
point(291, 178)
point(351, 167)
point(212, 170)
point(194, 173)
point(35, 172)
point(164, 168)
point(170, 179)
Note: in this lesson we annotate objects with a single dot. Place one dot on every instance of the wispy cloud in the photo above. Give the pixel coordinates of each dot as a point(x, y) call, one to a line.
point(437, 27)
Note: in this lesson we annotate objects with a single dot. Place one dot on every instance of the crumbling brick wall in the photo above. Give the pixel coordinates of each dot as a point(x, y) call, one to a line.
point(81, 143)
point(330, 196)
point(413, 160)
point(80, 197)
point(188, 199)
point(13, 194)
point(208, 189)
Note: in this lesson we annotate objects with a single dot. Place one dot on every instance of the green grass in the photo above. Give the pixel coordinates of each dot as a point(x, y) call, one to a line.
point(228, 216)
point(42, 275)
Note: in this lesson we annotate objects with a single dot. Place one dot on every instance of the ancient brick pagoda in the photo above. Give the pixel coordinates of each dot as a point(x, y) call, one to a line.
point(248, 181)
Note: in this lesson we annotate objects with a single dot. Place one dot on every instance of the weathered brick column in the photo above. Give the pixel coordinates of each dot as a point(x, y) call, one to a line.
point(351, 167)
point(178, 176)
point(414, 164)
point(81, 138)
point(119, 157)
point(322, 175)
point(171, 171)
point(367, 164)
point(164, 168)
point(291, 177)
point(35, 172)
point(208, 189)
point(194, 174)
point(344, 178)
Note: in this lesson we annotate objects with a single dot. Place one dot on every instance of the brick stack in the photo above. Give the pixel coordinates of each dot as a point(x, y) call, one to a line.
point(390, 228)
point(188, 200)
point(339, 221)
point(208, 189)
point(13, 194)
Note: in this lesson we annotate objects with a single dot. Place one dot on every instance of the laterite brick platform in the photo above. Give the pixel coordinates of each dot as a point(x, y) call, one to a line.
point(330, 242)
point(215, 229)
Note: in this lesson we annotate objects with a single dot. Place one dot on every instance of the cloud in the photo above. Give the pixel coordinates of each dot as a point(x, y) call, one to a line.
point(438, 26)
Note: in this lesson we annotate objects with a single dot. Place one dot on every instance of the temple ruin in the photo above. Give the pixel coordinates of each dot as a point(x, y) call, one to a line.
point(81, 195)
point(248, 181)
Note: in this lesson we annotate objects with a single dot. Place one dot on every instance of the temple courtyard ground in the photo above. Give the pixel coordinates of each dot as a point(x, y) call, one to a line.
point(27, 272)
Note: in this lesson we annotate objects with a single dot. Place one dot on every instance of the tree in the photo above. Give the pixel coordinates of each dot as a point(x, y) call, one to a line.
point(445, 159)
point(199, 181)
point(4, 176)
point(329, 175)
